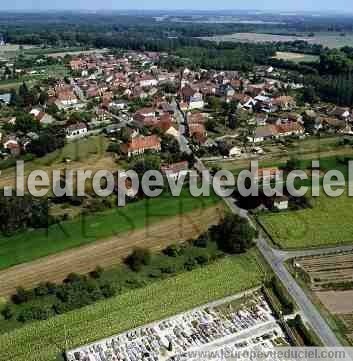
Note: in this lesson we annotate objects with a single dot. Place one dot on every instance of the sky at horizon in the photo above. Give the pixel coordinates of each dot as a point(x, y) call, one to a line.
point(298, 5)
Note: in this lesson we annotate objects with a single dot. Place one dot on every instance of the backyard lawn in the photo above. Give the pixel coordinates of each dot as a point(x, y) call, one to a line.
point(44, 341)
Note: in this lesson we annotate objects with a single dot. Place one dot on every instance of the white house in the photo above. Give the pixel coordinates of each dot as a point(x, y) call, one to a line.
point(281, 203)
point(118, 104)
point(196, 101)
point(148, 81)
point(78, 130)
point(234, 151)
point(43, 118)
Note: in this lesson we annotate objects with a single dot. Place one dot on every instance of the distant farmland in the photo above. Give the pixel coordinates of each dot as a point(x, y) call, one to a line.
point(296, 57)
point(327, 39)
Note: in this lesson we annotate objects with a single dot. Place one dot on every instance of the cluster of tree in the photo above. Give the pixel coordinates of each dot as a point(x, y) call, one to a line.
point(282, 295)
point(336, 61)
point(75, 292)
point(226, 56)
point(300, 46)
point(336, 88)
point(233, 235)
point(26, 97)
point(302, 68)
point(308, 337)
point(25, 123)
point(73, 29)
point(19, 213)
point(49, 140)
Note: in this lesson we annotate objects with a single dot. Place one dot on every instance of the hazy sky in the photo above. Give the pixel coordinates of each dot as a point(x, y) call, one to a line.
point(317, 5)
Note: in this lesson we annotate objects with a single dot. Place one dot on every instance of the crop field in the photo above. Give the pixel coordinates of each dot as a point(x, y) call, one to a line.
point(337, 302)
point(337, 306)
point(327, 271)
point(317, 226)
point(45, 72)
point(74, 52)
point(37, 73)
point(296, 57)
point(109, 252)
point(347, 322)
point(11, 50)
point(255, 38)
point(43, 341)
point(32, 244)
point(327, 39)
point(330, 280)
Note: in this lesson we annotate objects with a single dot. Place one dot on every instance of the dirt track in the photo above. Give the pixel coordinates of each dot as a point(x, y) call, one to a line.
point(106, 253)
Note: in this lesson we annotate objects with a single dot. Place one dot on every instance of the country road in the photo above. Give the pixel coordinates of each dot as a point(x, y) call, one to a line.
point(276, 259)
point(308, 310)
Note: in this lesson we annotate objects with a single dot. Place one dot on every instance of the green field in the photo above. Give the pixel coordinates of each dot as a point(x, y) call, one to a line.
point(86, 151)
point(78, 151)
point(328, 223)
point(327, 39)
point(43, 341)
point(42, 72)
point(33, 244)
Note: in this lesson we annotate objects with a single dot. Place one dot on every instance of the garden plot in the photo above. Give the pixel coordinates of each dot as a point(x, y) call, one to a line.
point(330, 277)
point(329, 271)
point(236, 323)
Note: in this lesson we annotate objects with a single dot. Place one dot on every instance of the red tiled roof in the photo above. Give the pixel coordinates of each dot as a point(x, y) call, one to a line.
point(289, 127)
point(196, 129)
point(272, 171)
point(148, 142)
point(77, 126)
point(174, 167)
point(196, 118)
point(283, 100)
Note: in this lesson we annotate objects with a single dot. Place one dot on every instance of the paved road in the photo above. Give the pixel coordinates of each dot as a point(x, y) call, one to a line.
point(308, 310)
point(180, 118)
point(285, 255)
